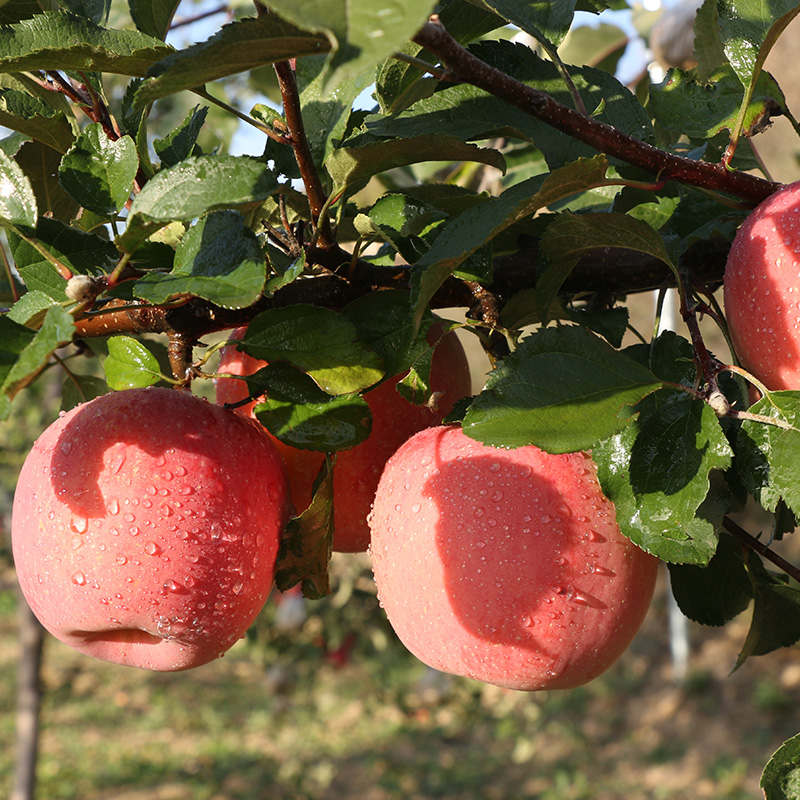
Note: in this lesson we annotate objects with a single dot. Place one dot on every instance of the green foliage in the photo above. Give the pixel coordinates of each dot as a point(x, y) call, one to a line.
point(498, 179)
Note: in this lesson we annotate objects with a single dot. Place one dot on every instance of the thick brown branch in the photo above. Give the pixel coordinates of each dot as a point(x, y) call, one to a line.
point(602, 137)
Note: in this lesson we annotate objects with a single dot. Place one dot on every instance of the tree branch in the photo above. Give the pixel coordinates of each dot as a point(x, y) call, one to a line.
point(604, 138)
point(741, 535)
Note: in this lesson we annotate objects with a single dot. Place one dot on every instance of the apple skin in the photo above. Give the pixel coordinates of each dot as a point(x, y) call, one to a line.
point(358, 469)
point(762, 290)
point(506, 566)
point(136, 533)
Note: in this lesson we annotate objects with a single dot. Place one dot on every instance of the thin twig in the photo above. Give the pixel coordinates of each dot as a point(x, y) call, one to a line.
point(751, 542)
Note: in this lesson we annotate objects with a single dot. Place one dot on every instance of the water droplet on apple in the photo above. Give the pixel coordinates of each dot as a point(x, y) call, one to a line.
point(491, 522)
point(480, 544)
point(170, 585)
point(76, 541)
point(494, 467)
point(66, 447)
point(528, 621)
point(497, 496)
point(134, 531)
point(479, 512)
point(237, 587)
point(600, 570)
point(79, 579)
point(116, 459)
point(415, 509)
point(151, 548)
point(122, 560)
point(164, 628)
point(79, 524)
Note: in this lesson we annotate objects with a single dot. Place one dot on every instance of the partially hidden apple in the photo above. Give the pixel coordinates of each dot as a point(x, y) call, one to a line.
point(358, 469)
point(146, 526)
point(506, 566)
point(762, 290)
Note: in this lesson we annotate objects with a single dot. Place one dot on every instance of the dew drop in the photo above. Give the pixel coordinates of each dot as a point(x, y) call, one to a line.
point(79, 579)
point(497, 496)
point(122, 560)
point(480, 544)
point(528, 621)
point(79, 524)
point(494, 467)
point(112, 506)
point(170, 585)
point(128, 517)
point(237, 587)
point(164, 627)
point(415, 509)
point(599, 570)
point(152, 549)
point(76, 541)
point(479, 512)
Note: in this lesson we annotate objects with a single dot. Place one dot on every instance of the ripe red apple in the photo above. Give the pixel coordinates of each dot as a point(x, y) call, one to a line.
point(137, 535)
point(357, 470)
point(506, 566)
point(762, 290)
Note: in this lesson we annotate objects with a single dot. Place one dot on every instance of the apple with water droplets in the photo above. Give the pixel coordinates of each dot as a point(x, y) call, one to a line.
point(146, 525)
point(506, 566)
point(358, 469)
point(762, 290)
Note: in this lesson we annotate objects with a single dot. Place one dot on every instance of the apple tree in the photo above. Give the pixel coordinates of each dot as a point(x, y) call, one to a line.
point(498, 166)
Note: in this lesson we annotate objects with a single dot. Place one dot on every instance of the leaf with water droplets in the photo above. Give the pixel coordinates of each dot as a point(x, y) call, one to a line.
point(130, 364)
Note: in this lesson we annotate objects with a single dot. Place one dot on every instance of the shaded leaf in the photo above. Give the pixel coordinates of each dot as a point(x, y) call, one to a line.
point(569, 236)
point(781, 777)
point(361, 158)
point(181, 142)
point(716, 593)
point(40, 163)
point(57, 330)
point(318, 341)
point(153, 17)
point(296, 411)
point(306, 545)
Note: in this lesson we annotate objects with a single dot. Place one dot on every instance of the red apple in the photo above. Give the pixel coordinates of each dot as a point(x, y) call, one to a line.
point(357, 470)
point(762, 290)
point(137, 535)
point(506, 566)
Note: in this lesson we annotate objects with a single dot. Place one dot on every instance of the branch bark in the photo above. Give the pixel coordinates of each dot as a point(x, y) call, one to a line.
point(604, 138)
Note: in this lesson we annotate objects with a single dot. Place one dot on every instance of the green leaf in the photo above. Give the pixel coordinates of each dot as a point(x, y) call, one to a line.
point(99, 173)
point(14, 338)
point(63, 41)
point(569, 236)
point(325, 115)
point(306, 545)
point(781, 777)
point(316, 340)
point(300, 414)
point(218, 259)
point(237, 47)
point(30, 309)
point(130, 365)
point(84, 253)
point(40, 163)
point(702, 109)
point(707, 44)
point(359, 159)
point(469, 231)
point(658, 483)
point(362, 33)
point(716, 593)
point(181, 142)
point(550, 19)
point(78, 388)
point(776, 613)
point(768, 456)
point(57, 330)
point(17, 200)
point(94, 10)
point(153, 17)
point(44, 115)
point(563, 389)
point(194, 187)
point(748, 30)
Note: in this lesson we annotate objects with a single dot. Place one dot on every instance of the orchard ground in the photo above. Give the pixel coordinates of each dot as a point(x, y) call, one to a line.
point(278, 718)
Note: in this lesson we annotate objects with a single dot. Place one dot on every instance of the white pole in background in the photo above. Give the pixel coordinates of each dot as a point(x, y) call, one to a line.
point(678, 624)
